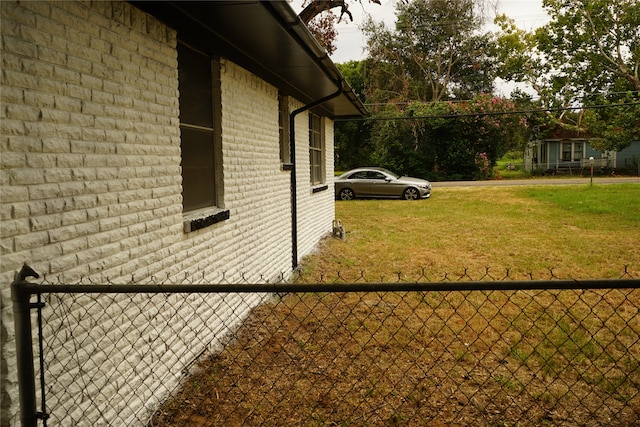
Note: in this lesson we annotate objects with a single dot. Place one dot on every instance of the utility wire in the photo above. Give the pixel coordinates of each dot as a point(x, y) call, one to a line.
point(533, 98)
point(493, 113)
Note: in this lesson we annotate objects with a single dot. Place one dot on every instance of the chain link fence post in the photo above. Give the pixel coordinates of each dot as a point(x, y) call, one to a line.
point(24, 347)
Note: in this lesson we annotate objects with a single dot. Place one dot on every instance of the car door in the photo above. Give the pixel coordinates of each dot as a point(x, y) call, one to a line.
point(384, 185)
point(360, 184)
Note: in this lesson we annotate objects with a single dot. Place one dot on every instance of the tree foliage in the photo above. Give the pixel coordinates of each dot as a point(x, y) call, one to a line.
point(319, 17)
point(353, 138)
point(616, 126)
point(436, 52)
point(447, 140)
point(588, 54)
point(592, 43)
point(518, 58)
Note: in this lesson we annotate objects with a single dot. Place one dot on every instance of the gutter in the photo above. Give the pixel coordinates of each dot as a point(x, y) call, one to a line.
point(294, 183)
point(314, 49)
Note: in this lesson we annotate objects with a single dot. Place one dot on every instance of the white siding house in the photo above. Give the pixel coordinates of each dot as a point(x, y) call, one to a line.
point(118, 163)
point(570, 152)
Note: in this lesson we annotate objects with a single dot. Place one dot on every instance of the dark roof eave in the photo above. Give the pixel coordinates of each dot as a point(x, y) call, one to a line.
point(268, 39)
point(321, 55)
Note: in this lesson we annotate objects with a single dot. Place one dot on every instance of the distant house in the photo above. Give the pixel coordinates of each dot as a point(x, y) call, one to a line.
point(568, 152)
point(167, 139)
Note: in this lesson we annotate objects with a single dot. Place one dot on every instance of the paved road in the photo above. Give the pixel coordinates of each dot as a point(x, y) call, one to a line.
point(538, 181)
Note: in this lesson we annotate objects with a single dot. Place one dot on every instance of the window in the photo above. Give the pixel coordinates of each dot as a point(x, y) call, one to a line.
point(543, 153)
point(283, 124)
point(577, 151)
point(572, 151)
point(566, 151)
point(316, 149)
point(199, 85)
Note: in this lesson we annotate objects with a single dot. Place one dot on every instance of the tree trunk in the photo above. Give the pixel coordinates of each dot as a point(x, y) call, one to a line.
point(316, 7)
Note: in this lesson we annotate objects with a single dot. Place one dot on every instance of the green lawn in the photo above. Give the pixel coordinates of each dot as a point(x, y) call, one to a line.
point(541, 232)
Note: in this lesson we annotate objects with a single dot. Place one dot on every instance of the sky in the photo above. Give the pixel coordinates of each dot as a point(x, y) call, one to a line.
point(351, 42)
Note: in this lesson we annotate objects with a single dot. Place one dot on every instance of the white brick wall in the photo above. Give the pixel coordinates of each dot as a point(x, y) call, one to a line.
point(315, 210)
point(90, 184)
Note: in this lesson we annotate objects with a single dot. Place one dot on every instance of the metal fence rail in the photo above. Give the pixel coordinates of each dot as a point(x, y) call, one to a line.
point(505, 352)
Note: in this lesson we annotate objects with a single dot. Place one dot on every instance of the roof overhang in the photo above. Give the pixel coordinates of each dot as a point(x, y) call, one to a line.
point(268, 39)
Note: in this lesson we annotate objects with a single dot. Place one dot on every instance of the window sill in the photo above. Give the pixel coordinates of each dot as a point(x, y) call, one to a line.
point(319, 188)
point(202, 218)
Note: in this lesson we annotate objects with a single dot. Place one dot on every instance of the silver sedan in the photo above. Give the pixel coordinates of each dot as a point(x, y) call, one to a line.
point(380, 183)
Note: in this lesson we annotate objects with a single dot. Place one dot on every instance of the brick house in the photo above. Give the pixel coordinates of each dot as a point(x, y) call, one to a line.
point(166, 139)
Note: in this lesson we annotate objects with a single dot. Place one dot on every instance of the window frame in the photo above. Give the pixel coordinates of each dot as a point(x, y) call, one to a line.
point(283, 129)
point(201, 210)
point(317, 157)
point(571, 155)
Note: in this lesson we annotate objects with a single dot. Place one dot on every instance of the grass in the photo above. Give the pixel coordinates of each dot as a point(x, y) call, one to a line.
point(561, 231)
point(602, 203)
point(445, 358)
point(502, 170)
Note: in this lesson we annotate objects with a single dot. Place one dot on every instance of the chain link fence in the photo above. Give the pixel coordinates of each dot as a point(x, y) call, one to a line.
point(455, 350)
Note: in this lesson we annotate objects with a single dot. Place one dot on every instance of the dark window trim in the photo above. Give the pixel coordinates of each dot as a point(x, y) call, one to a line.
point(317, 135)
point(203, 218)
point(199, 218)
point(319, 189)
point(283, 128)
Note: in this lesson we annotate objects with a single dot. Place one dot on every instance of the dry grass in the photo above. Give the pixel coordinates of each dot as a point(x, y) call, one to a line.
point(463, 359)
point(448, 358)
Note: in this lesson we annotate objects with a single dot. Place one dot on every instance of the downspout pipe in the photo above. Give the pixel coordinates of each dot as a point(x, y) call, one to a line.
point(294, 182)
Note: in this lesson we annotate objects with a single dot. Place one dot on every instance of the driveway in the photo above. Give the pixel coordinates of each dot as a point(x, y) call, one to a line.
point(538, 181)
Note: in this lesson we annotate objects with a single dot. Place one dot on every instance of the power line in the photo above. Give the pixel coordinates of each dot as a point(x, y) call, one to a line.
point(493, 113)
point(533, 98)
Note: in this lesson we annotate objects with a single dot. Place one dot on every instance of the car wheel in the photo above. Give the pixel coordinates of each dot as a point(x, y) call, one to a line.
point(411, 193)
point(347, 194)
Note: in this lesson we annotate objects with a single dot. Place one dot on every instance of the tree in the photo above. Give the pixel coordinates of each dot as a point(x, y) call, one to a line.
point(593, 43)
point(616, 126)
point(319, 18)
point(588, 54)
point(518, 58)
point(352, 138)
point(447, 140)
point(314, 8)
point(436, 52)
